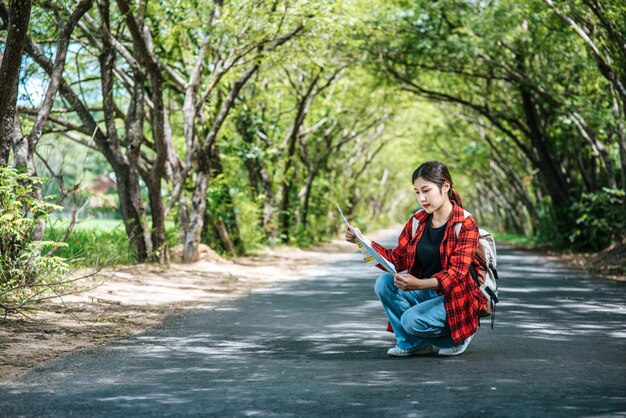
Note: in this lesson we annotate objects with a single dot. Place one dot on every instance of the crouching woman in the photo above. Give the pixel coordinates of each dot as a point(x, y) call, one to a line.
point(434, 306)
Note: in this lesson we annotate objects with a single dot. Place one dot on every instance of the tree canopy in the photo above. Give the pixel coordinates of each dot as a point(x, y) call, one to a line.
point(241, 123)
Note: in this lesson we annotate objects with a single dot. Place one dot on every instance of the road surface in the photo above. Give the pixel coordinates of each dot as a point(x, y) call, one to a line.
point(317, 347)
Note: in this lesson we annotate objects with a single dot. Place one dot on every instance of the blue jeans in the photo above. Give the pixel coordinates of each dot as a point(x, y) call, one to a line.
point(417, 316)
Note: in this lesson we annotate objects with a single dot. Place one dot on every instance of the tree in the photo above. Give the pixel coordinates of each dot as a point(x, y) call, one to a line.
point(15, 19)
point(123, 154)
point(234, 45)
point(601, 26)
point(507, 66)
point(24, 146)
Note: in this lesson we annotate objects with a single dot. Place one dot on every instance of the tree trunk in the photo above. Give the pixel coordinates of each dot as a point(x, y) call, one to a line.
point(232, 227)
point(159, 238)
point(222, 232)
point(10, 64)
point(23, 151)
point(268, 209)
point(258, 177)
point(201, 156)
point(183, 217)
point(268, 199)
point(125, 166)
point(621, 137)
point(551, 173)
point(23, 160)
point(284, 215)
point(307, 197)
point(144, 53)
point(261, 185)
point(24, 146)
point(132, 211)
point(622, 154)
point(304, 105)
point(193, 229)
point(127, 177)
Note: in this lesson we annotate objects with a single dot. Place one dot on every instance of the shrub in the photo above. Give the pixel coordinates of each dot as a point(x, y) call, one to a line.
point(600, 220)
point(24, 269)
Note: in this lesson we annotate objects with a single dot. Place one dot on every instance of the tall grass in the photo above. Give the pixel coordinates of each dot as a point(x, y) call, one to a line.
point(93, 243)
point(98, 242)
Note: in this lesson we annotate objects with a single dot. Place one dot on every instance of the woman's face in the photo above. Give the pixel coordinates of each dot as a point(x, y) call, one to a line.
point(428, 194)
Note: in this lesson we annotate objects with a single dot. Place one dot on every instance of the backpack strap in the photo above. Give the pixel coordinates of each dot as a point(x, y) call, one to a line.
point(457, 227)
point(415, 224)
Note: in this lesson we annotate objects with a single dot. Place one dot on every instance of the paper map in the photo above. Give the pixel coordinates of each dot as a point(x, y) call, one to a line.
point(370, 255)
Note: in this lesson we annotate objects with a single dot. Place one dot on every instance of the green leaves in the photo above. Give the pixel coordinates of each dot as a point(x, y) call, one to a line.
point(22, 263)
point(599, 219)
point(510, 76)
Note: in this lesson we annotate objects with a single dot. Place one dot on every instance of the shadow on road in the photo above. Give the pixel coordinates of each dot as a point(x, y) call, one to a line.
point(317, 347)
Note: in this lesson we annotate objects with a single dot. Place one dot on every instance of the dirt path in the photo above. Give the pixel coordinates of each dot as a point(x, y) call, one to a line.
point(127, 300)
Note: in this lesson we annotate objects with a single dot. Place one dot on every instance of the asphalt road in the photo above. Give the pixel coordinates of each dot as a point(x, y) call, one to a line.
point(316, 347)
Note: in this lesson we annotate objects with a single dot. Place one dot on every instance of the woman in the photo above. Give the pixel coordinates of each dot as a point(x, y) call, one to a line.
point(434, 306)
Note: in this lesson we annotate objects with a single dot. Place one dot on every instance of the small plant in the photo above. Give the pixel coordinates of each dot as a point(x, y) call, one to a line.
point(26, 273)
point(600, 220)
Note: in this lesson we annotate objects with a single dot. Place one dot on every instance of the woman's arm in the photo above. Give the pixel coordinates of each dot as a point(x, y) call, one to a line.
point(398, 255)
point(408, 282)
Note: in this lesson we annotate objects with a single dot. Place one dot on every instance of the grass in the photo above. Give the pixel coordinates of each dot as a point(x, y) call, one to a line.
point(98, 242)
point(100, 224)
point(517, 239)
point(93, 246)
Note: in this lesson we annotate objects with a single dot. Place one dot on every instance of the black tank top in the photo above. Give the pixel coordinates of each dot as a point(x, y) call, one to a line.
point(428, 256)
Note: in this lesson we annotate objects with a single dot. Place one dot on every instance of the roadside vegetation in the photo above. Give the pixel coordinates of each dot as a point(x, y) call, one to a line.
point(238, 124)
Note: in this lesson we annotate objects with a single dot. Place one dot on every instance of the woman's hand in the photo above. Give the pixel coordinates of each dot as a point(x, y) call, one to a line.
point(406, 282)
point(351, 234)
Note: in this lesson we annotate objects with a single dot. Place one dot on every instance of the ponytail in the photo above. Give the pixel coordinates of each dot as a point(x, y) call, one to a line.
point(454, 195)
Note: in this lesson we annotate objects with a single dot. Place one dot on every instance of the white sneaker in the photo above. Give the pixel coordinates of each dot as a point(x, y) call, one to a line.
point(456, 350)
point(418, 350)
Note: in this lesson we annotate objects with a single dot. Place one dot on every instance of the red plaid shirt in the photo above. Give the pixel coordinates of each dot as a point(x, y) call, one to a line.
point(462, 297)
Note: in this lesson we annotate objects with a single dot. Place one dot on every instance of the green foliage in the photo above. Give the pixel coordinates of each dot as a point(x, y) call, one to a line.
point(23, 266)
point(517, 239)
point(459, 78)
point(99, 243)
point(495, 69)
point(600, 220)
point(94, 246)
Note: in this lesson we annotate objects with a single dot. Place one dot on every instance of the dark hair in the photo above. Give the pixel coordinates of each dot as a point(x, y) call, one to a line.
point(437, 173)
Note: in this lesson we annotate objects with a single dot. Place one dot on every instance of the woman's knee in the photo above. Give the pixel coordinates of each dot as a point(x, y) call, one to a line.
point(413, 324)
point(384, 284)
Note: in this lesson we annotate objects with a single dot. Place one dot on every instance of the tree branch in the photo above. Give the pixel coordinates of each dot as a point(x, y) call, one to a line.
point(604, 66)
point(226, 107)
point(57, 71)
